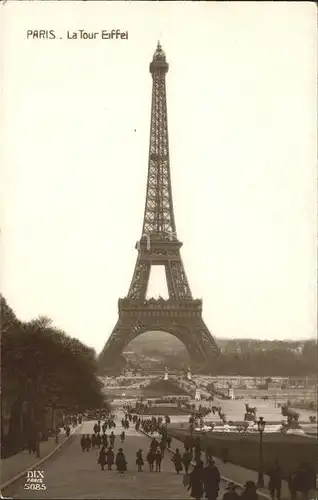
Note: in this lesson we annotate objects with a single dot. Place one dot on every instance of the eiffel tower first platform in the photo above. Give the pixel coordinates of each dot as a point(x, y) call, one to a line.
point(180, 315)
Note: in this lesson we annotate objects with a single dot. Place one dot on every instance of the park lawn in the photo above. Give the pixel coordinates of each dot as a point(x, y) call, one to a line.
point(243, 450)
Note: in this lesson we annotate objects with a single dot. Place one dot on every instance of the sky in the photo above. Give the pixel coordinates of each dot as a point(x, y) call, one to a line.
point(241, 96)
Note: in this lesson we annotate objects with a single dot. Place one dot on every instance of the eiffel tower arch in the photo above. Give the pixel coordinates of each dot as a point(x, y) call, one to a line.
point(181, 314)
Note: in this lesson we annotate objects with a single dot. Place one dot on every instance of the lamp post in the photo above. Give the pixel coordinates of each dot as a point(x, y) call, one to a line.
point(261, 427)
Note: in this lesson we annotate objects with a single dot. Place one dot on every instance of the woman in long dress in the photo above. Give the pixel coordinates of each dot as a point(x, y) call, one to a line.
point(121, 463)
point(177, 460)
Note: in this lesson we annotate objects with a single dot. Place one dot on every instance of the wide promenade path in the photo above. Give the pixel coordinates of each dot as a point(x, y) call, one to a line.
point(70, 473)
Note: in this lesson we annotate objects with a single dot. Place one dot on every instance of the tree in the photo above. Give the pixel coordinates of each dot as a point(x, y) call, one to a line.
point(43, 367)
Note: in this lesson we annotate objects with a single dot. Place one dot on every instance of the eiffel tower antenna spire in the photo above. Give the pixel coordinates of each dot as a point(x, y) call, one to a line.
point(180, 315)
point(159, 219)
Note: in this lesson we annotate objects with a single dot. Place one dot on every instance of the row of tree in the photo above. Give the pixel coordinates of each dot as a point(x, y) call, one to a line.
point(42, 368)
point(280, 361)
point(275, 362)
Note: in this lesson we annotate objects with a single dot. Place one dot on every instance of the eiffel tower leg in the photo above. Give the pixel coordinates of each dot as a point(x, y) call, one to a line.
point(124, 332)
point(111, 357)
point(200, 344)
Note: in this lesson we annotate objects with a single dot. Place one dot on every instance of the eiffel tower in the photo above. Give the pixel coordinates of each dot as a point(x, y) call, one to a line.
point(180, 315)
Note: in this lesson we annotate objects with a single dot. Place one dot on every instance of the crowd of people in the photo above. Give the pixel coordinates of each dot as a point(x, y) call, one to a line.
point(201, 475)
point(105, 444)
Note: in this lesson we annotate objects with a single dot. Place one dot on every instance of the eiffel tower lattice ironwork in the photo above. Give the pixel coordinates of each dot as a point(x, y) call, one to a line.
point(180, 315)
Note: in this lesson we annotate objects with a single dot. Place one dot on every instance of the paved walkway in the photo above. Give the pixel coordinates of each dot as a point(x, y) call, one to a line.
point(12, 466)
point(70, 473)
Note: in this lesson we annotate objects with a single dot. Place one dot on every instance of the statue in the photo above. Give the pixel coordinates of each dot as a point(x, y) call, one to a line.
point(189, 375)
point(197, 395)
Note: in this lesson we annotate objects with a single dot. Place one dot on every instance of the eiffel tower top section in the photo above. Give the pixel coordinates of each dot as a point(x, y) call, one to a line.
point(159, 60)
point(159, 222)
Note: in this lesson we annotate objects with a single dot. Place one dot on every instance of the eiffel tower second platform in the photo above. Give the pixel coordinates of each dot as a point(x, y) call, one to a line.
point(180, 315)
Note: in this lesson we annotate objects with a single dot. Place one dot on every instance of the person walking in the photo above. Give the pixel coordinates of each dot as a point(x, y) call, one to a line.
point(102, 457)
point(231, 494)
point(186, 459)
point(112, 438)
point(105, 440)
point(197, 454)
point(154, 445)
point(110, 458)
point(196, 484)
point(93, 440)
point(88, 443)
point(249, 492)
point(306, 479)
point(83, 444)
point(162, 445)
point(122, 437)
point(121, 463)
point(158, 460)
point(177, 460)
point(98, 440)
point(139, 460)
point(211, 480)
point(150, 459)
point(275, 474)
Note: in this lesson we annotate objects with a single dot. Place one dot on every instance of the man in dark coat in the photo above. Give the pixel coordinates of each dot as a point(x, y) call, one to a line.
point(110, 458)
point(196, 481)
point(93, 440)
point(305, 480)
point(102, 457)
point(83, 444)
point(139, 460)
point(211, 480)
point(158, 460)
point(177, 460)
point(112, 438)
point(275, 474)
point(186, 459)
point(151, 459)
point(87, 443)
point(154, 445)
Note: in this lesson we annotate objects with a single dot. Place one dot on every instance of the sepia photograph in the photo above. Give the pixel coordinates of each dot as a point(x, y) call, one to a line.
point(159, 250)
